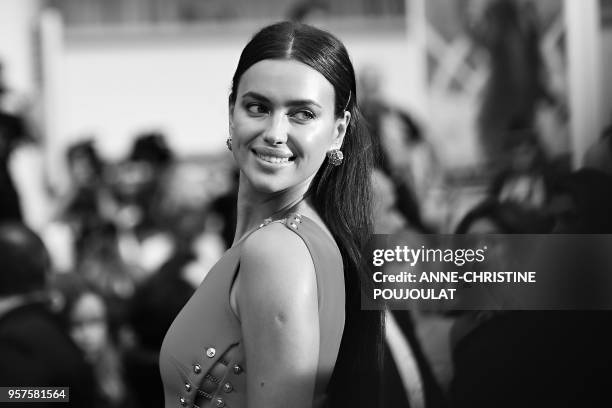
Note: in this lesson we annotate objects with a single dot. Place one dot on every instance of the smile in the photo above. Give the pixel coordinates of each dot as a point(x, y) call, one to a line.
point(273, 159)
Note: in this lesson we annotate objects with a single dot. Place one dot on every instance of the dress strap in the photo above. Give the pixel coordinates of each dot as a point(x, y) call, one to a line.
point(293, 221)
point(265, 222)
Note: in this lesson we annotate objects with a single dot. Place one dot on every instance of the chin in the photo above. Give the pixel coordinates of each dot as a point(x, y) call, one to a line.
point(265, 183)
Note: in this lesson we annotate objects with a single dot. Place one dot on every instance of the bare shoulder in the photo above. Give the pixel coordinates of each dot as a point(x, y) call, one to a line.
point(276, 246)
point(276, 267)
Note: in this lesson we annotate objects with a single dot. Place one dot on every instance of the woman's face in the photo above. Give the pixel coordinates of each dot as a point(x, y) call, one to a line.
point(282, 124)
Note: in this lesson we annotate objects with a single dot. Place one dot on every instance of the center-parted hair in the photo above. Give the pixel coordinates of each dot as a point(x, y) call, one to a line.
point(341, 195)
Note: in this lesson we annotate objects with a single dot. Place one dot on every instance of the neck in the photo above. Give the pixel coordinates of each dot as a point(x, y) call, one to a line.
point(254, 207)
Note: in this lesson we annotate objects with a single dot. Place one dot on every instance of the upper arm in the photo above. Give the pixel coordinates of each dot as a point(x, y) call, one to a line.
point(278, 307)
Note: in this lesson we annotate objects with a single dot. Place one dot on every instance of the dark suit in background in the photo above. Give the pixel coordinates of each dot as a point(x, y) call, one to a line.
point(35, 349)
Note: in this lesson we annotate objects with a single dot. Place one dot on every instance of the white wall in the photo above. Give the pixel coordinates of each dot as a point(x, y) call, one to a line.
point(115, 85)
point(17, 19)
point(606, 42)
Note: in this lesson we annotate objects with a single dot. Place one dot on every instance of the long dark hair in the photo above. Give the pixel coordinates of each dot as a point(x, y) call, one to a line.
point(342, 196)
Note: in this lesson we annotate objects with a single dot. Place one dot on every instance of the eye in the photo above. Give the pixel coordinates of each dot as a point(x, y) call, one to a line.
point(304, 115)
point(256, 108)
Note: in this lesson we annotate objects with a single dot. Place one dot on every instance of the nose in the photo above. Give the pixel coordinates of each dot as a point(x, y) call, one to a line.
point(276, 131)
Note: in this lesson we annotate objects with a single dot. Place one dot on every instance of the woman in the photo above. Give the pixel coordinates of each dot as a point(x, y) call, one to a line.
point(280, 312)
point(87, 317)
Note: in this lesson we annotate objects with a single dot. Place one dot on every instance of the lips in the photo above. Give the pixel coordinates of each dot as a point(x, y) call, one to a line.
point(273, 156)
point(272, 159)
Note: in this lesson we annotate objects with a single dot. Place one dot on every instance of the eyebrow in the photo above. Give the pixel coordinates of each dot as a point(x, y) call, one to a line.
point(296, 102)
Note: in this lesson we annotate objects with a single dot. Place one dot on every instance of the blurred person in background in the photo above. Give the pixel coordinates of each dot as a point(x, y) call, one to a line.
point(86, 222)
point(249, 336)
point(35, 349)
point(508, 31)
point(85, 314)
point(490, 216)
point(186, 205)
point(83, 203)
point(147, 163)
point(87, 207)
point(525, 179)
point(408, 377)
point(79, 209)
point(404, 156)
point(539, 358)
point(387, 218)
point(102, 265)
point(23, 182)
point(13, 130)
point(136, 187)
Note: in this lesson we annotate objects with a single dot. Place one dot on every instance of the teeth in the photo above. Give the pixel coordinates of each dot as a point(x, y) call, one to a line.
point(273, 159)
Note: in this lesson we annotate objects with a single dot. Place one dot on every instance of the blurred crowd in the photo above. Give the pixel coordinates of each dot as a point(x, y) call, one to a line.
point(100, 283)
point(126, 248)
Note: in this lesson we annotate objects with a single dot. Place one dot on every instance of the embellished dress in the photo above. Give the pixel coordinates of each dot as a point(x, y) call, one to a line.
point(202, 359)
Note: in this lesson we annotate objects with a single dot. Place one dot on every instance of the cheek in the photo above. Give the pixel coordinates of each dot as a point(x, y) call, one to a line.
point(244, 127)
point(314, 143)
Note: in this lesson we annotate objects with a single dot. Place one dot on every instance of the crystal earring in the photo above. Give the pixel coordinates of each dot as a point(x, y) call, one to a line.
point(335, 157)
point(228, 143)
